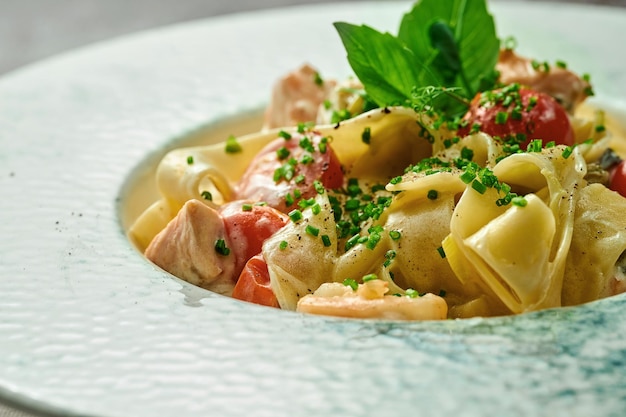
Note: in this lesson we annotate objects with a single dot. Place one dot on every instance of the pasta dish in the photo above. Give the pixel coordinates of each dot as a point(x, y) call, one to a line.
point(449, 178)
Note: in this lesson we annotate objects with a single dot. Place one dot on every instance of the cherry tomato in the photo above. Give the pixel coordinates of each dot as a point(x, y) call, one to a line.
point(617, 178)
point(518, 112)
point(247, 226)
point(286, 169)
point(254, 283)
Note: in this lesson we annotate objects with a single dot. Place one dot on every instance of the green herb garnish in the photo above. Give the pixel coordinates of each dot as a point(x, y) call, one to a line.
point(439, 43)
point(232, 145)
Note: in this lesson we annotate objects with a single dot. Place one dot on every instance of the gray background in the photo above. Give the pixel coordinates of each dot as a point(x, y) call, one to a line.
point(31, 30)
point(34, 29)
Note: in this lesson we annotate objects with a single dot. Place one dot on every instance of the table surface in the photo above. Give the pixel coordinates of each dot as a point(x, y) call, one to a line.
point(32, 30)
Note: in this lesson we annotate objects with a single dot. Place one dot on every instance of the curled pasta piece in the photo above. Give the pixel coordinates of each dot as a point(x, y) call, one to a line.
point(595, 263)
point(518, 253)
point(298, 256)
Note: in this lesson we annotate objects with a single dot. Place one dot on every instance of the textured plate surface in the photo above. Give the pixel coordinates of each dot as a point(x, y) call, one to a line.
point(87, 327)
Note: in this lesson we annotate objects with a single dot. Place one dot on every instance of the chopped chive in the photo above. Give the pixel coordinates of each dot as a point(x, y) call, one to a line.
point(389, 256)
point(373, 240)
point(317, 79)
point(323, 146)
point(395, 234)
point(232, 145)
point(326, 240)
point(442, 253)
point(567, 152)
point(289, 200)
point(312, 230)
point(246, 207)
point(352, 204)
point(370, 277)
point(307, 159)
point(376, 229)
point(306, 144)
point(286, 171)
point(353, 188)
point(284, 135)
point(442, 293)
point(349, 282)
point(316, 209)
point(300, 178)
point(283, 245)
point(501, 117)
point(411, 293)
point(282, 153)
point(207, 195)
point(366, 135)
point(340, 115)
point(319, 187)
point(467, 153)
point(190, 160)
point(467, 177)
point(479, 186)
point(534, 146)
point(295, 215)
point(519, 201)
point(220, 247)
point(306, 203)
point(350, 243)
point(378, 187)
point(432, 194)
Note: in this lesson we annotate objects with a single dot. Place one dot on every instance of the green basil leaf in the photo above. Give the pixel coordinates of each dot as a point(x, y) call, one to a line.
point(387, 69)
point(448, 60)
point(474, 34)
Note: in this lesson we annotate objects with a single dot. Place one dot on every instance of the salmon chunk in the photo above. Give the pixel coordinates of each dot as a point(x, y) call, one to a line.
point(296, 98)
point(566, 87)
point(189, 247)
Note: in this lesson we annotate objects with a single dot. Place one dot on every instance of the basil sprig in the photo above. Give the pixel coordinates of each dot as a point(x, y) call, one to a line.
point(443, 43)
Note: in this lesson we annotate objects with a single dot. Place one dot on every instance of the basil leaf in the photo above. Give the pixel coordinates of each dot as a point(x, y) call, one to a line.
point(387, 69)
point(448, 61)
point(422, 31)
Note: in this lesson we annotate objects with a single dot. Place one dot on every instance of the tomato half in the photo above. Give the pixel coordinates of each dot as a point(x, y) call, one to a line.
point(286, 169)
point(254, 283)
point(617, 178)
point(520, 114)
point(247, 227)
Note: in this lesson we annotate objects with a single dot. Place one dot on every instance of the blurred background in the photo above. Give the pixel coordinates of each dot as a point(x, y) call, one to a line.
point(31, 30)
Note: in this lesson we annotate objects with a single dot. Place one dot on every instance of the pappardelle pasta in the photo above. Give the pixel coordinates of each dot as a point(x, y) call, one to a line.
point(465, 186)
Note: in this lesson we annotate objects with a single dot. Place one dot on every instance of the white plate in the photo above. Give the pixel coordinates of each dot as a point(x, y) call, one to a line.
point(87, 327)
